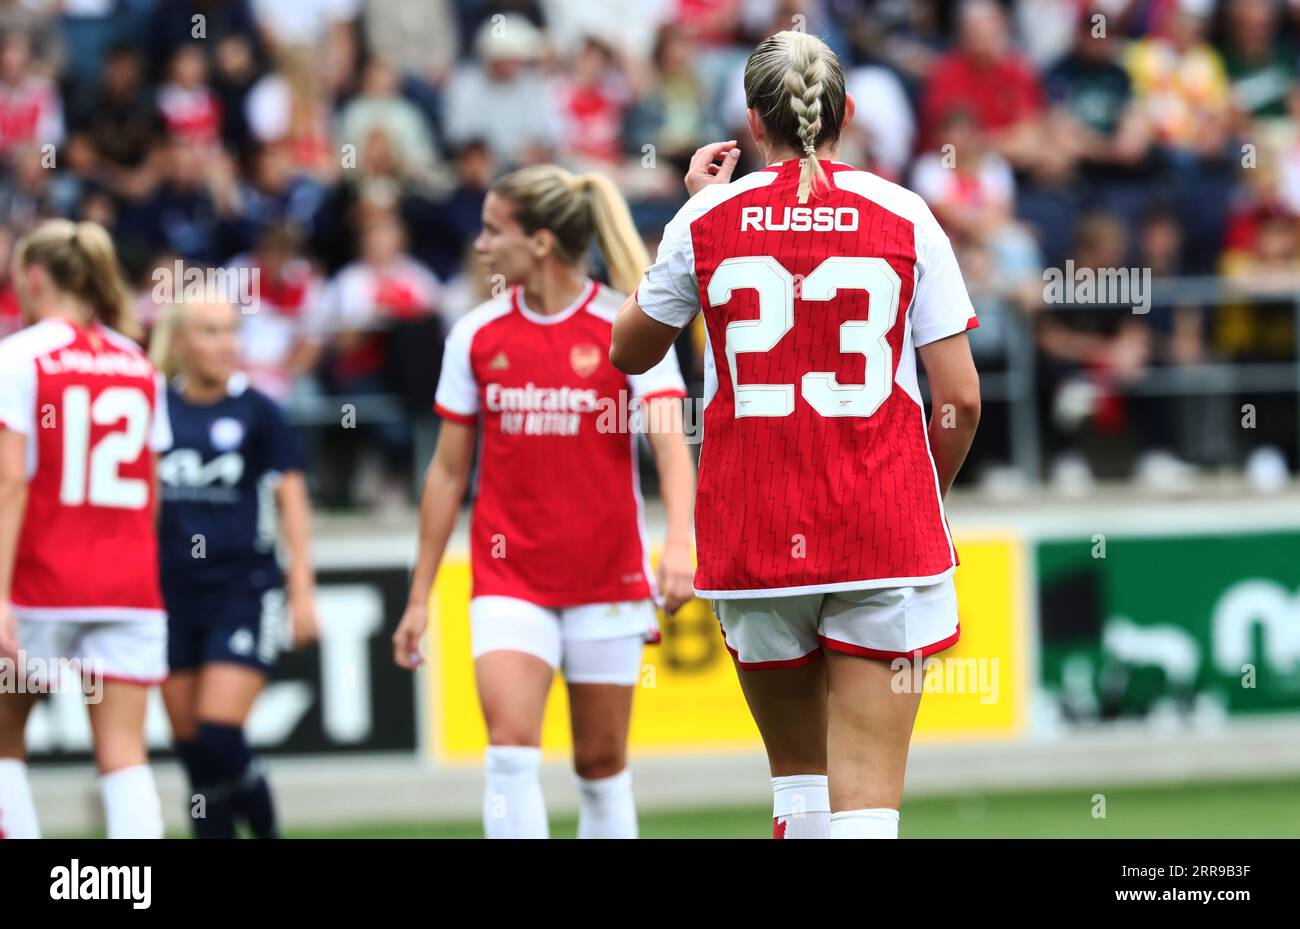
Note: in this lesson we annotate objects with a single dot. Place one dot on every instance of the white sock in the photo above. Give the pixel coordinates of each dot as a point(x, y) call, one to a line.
point(513, 806)
point(607, 809)
point(801, 807)
point(878, 823)
point(131, 806)
point(17, 811)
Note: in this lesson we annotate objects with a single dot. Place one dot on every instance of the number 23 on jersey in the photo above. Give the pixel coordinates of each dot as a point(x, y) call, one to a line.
point(775, 288)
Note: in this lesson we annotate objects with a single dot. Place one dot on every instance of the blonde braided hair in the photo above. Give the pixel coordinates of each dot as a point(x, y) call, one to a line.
point(795, 82)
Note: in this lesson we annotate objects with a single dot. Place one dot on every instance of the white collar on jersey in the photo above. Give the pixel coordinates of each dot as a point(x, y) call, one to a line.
point(236, 384)
point(550, 319)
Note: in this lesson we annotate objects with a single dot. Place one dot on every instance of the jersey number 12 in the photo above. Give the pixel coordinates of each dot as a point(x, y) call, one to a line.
point(105, 487)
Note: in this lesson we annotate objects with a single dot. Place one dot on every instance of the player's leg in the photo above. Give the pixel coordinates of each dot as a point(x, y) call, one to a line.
point(17, 809)
point(178, 693)
point(600, 715)
point(773, 643)
point(123, 660)
point(18, 820)
point(602, 674)
point(184, 641)
point(126, 783)
point(871, 716)
point(233, 780)
point(870, 729)
point(244, 632)
point(516, 647)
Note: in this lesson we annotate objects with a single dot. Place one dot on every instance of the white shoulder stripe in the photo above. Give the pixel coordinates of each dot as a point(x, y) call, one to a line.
point(124, 343)
point(893, 197)
point(717, 194)
point(36, 340)
point(606, 303)
point(481, 315)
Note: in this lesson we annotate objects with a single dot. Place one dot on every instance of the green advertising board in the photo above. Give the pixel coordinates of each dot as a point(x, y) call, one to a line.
point(1196, 625)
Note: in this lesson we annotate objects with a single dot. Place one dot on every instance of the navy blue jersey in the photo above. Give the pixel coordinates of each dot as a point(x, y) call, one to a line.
point(218, 486)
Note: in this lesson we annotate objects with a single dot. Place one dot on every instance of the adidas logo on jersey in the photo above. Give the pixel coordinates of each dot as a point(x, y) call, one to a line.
point(499, 363)
point(799, 219)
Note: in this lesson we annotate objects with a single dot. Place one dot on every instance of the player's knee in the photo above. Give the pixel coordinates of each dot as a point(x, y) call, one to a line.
point(224, 749)
point(510, 734)
point(184, 726)
point(594, 762)
point(120, 750)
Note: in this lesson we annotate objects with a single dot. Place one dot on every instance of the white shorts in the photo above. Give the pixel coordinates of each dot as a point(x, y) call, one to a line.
point(132, 651)
point(882, 623)
point(597, 643)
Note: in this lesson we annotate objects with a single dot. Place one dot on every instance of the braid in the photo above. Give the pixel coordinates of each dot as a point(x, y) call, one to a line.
point(804, 81)
point(795, 82)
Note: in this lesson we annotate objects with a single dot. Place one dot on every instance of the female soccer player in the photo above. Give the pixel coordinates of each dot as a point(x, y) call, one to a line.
point(234, 463)
point(82, 414)
point(561, 577)
point(820, 522)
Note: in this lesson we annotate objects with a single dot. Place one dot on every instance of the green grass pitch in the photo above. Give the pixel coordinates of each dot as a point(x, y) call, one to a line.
point(1242, 809)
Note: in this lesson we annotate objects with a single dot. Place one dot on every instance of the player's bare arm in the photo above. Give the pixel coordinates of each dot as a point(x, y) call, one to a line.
point(676, 575)
point(639, 342)
point(300, 582)
point(444, 487)
point(13, 503)
point(954, 403)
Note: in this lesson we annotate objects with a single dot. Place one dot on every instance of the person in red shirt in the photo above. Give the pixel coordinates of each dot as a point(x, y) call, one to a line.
point(560, 560)
point(592, 103)
point(188, 106)
point(31, 113)
point(82, 418)
point(820, 522)
point(984, 77)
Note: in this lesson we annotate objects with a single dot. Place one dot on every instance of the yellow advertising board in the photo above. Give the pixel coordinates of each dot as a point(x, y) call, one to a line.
point(688, 699)
point(979, 688)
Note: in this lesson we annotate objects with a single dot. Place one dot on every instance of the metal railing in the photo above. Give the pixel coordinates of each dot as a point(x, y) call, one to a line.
point(1015, 386)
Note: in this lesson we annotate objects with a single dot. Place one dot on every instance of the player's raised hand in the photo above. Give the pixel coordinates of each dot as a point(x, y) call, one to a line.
point(703, 171)
point(406, 640)
point(8, 633)
point(676, 576)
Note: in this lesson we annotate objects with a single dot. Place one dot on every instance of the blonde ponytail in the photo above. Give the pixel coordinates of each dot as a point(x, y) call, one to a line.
point(796, 84)
point(574, 208)
point(620, 243)
point(81, 261)
point(162, 341)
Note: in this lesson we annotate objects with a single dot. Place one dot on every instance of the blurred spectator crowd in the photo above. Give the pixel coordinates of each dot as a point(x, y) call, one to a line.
point(343, 148)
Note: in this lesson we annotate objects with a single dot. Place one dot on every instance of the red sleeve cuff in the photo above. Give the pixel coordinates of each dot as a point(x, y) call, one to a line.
point(972, 323)
point(453, 416)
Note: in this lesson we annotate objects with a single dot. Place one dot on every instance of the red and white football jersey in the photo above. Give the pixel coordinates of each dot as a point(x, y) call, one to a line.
point(558, 517)
point(92, 408)
point(815, 473)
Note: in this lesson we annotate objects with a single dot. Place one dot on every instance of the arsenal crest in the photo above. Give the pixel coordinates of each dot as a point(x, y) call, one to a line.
point(585, 359)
